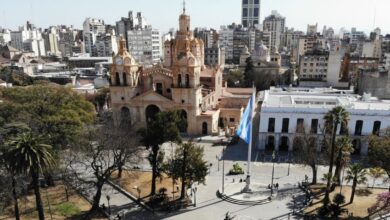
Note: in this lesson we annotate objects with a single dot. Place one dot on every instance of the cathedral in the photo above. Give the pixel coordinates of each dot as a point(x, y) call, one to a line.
point(181, 82)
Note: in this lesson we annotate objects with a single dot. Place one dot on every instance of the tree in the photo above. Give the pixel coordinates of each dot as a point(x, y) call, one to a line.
point(188, 165)
point(103, 152)
point(357, 174)
point(235, 78)
point(27, 154)
point(165, 127)
point(376, 172)
point(382, 204)
point(336, 116)
point(57, 112)
point(344, 148)
point(305, 150)
point(379, 151)
point(7, 132)
point(249, 72)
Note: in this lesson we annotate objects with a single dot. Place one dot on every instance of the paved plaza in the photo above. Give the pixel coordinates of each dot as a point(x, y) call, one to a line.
point(209, 206)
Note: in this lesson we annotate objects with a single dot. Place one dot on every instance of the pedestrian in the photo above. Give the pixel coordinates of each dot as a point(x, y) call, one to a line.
point(277, 186)
point(269, 186)
point(104, 207)
point(118, 217)
point(233, 180)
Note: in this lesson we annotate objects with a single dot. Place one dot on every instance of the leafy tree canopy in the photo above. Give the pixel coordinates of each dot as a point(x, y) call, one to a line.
point(57, 113)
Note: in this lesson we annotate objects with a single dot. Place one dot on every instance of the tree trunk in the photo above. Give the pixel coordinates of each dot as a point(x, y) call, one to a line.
point(326, 197)
point(16, 205)
point(97, 196)
point(38, 199)
point(154, 169)
point(337, 173)
point(353, 190)
point(120, 170)
point(183, 174)
point(314, 170)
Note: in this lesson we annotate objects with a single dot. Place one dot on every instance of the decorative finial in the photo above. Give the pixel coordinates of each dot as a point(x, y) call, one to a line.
point(184, 6)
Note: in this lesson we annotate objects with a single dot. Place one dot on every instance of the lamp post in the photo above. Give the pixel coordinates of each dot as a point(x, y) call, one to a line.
point(273, 170)
point(289, 163)
point(108, 202)
point(223, 171)
point(194, 190)
point(218, 159)
point(293, 197)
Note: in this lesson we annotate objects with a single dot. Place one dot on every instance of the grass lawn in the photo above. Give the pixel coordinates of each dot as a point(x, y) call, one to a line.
point(364, 198)
point(143, 180)
point(61, 209)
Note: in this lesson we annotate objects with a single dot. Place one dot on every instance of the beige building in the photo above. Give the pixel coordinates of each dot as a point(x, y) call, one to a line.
point(181, 82)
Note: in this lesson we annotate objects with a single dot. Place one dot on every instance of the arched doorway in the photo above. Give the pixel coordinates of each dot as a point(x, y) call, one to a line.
point(125, 116)
point(184, 125)
point(270, 143)
point(204, 128)
point(284, 144)
point(151, 112)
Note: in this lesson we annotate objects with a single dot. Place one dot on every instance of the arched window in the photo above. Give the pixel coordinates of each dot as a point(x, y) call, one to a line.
point(179, 80)
point(117, 79)
point(187, 81)
point(124, 79)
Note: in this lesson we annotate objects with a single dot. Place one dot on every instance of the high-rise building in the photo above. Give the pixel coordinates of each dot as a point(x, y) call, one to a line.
point(50, 36)
point(250, 13)
point(234, 39)
point(145, 45)
point(29, 39)
point(106, 44)
point(275, 24)
point(92, 27)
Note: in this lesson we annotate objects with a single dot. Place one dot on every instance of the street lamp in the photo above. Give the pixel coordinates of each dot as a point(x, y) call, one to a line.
point(223, 171)
point(218, 159)
point(289, 162)
point(108, 202)
point(293, 197)
point(194, 190)
point(273, 170)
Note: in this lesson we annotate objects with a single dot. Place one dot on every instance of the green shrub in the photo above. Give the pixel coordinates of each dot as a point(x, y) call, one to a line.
point(236, 170)
point(67, 209)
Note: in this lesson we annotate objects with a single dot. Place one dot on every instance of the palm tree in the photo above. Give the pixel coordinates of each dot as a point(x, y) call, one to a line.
point(357, 174)
point(26, 154)
point(344, 149)
point(376, 172)
point(337, 115)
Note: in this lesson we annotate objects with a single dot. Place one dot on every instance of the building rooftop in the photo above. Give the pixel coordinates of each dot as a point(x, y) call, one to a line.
point(322, 99)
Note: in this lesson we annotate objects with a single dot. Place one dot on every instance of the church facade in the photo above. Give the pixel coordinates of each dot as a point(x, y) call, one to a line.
point(182, 82)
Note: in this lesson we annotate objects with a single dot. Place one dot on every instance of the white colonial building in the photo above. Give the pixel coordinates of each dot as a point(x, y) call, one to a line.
point(283, 110)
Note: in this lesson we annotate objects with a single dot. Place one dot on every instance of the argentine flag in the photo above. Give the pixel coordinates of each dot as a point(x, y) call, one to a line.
point(244, 130)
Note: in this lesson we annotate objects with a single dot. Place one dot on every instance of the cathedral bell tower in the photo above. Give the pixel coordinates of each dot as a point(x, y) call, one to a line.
point(124, 70)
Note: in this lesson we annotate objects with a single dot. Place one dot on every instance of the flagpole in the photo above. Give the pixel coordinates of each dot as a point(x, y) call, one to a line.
point(248, 177)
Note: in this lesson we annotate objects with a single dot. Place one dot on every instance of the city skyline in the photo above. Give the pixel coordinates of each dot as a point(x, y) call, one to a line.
point(364, 15)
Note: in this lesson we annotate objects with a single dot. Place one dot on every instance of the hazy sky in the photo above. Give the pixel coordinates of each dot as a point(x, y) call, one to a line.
point(163, 14)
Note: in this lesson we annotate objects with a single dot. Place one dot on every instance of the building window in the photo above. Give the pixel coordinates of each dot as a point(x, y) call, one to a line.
point(256, 2)
point(187, 81)
point(159, 88)
point(314, 126)
point(231, 119)
point(245, 2)
point(285, 125)
point(244, 12)
point(117, 79)
point(358, 127)
point(179, 80)
point(376, 128)
point(343, 129)
point(256, 12)
point(168, 90)
point(300, 128)
point(271, 125)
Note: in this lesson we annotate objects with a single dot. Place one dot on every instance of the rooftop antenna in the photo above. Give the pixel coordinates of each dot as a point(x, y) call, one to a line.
point(184, 6)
